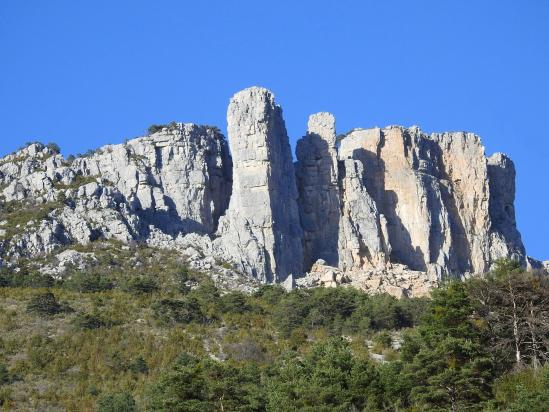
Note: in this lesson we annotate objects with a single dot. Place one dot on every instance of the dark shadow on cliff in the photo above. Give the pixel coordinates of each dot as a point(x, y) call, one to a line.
point(168, 221)
point(319, 204)
point(460, 253)
point(283, 202)
point(402, 250)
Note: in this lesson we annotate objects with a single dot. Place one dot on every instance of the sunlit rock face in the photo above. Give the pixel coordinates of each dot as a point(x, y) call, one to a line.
point(433, 203)
point(261, 231)
point(178, 179)
point(389, 210)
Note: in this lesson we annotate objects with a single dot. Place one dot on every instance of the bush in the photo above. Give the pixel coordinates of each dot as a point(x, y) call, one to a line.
point(524, 390)
point(117, 402)
point(138, 366)
point(91, 321)
point(54, 147)
point(89, 282)
point(385, 312)
point(44, 304)
point(383, 340)
point(170, 311)
point(234, 302)
point(4, 375)
point(155, 128)
point(182, 278)
point(271, 294)
point(141, 285)
point(24, 279)
point(5, 279)
point(194, 384)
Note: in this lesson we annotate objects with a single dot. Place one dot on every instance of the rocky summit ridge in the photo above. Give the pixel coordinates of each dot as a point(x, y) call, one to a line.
point(392, 210)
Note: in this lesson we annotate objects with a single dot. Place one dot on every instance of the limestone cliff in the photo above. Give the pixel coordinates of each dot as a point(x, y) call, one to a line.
point(261, 231)
point(390, 209)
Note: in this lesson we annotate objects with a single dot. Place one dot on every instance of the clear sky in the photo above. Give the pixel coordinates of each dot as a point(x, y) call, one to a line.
point(87, 73)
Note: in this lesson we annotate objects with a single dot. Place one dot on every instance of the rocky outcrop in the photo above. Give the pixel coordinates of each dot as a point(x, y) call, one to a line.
point(394, 279)
point(175, 181)
point(435, 194)
point(388, 210)
point(178, 179)
point(340, 219)
point(261, 230)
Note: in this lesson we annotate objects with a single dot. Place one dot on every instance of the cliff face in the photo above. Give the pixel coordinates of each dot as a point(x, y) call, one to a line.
point(393, 207)
point(436, 204)
point(261, 231)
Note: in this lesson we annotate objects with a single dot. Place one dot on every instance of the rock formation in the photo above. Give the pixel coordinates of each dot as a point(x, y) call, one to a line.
point(175, 181)
point(440, 182)
point(317, 177)
point(178, 179)
point(390, 210)
point(261, 231)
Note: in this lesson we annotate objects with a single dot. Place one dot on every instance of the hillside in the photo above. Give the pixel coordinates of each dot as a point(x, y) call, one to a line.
point(138, 330)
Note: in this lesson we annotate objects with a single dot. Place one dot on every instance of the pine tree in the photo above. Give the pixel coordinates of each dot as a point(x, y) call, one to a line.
point(449, 364)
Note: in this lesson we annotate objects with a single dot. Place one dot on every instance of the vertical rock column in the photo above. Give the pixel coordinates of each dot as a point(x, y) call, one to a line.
point(505, 239)
point(261, 230)
point(318, 190)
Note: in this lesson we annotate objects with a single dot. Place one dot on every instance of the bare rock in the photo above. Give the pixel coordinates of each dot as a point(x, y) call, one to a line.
point(261, 231)
point(319, 199)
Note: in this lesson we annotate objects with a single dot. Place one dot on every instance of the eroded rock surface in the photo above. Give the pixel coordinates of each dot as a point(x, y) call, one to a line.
point(261, 230)
point(440, 204)
point(176, 181)
point(319, 201)
point(388, 210)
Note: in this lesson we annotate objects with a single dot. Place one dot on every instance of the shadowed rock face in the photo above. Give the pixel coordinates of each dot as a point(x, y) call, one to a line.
point(261, 230)
point(394, 209)
point(317, 178)
point(505, 240)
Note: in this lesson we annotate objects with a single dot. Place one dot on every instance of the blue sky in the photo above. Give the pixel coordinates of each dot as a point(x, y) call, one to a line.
point(87, 73)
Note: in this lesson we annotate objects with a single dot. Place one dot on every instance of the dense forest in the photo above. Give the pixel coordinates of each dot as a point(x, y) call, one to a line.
point(164, 338)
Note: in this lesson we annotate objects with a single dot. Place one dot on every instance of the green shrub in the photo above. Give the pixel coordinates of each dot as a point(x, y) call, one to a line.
point(234, 302)
point(183, 277)
point(271, 294)
point(155, 128)
point(44, 304)
point(54, 147)
point(171, 311)
point(201, 384)
point(117, 402)
point(25, 279)
point(383, 340)
point(5, 278)
point(4, 374)
point(525, 390)
point(141, 285)
point(138, 366)
point(91, 321)
point(89, 282)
